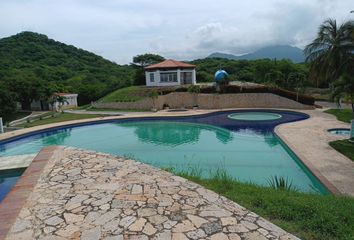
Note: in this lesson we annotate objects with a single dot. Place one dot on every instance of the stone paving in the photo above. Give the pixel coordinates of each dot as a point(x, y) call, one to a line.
point(89, 195)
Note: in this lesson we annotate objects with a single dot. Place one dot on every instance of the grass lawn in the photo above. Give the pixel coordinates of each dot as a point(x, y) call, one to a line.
point(344, 115)
point(117, 110)
point(308, 216)
point(345, 147)
point(60, 118)
point(128, 94)
point(14, 116)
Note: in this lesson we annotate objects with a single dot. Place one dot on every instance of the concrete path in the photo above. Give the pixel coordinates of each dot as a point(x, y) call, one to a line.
point(309, 140)
point(18, 161)
point(88, 195)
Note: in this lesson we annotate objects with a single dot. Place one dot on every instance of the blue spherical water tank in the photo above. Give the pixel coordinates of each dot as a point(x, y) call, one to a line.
point(220, 74)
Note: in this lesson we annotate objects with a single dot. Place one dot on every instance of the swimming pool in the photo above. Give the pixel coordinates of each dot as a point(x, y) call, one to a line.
point(248, 151)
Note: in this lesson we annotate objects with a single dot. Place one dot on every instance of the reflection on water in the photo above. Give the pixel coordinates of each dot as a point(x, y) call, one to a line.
point(174, 134)
point(58, 138)
point(245, 152)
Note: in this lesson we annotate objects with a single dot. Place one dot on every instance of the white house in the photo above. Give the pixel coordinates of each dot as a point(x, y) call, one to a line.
point(71, 101)
point(170, 73)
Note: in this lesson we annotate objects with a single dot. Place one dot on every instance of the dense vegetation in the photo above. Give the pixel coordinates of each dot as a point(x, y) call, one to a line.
point(284, 73)
point(308, 216)
point(34, 66)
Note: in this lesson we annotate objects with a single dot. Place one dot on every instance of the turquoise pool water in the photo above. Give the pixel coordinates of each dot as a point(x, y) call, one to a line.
point(254, 116)
point(246, 154)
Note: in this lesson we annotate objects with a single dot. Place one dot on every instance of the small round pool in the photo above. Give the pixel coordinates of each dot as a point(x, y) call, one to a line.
point(340, 131)
point(254, 116)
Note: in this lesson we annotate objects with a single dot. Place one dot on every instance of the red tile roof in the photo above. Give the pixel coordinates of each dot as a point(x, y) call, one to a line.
point(170, 64)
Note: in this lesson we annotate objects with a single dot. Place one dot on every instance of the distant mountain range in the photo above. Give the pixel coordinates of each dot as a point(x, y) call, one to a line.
point(273, 52)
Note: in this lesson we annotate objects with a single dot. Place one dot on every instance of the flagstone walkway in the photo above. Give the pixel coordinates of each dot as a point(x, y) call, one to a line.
point(89, 195)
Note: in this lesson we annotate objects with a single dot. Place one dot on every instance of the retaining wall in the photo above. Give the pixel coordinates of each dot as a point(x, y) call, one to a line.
point(209, 101)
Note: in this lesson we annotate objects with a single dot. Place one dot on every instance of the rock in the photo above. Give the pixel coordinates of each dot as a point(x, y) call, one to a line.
point(92, 234)
point(228, 221)
point(149, 229)
point(253, 236)
point(127, 221)
point(234, 236)
point(185, 226)
point(137, 189)
point(211, 227)
point(197, 221)
point(196, 234)
point(138, 225)
point(249, 225)
point(179, 236)
point(238, 228)
point(157, 219)
point(73, 218)
point(53, 221)
point(68, 231)
point(219, 236)
point(146, 212)
point(215, 213)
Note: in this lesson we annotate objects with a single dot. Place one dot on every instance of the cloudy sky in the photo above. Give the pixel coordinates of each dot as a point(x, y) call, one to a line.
point(183, 29)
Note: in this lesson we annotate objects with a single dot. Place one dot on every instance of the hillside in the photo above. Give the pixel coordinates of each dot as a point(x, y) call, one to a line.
point(272, 52)
point(30, 55)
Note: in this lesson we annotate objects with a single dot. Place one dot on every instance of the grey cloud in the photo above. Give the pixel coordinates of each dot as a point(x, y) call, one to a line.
point(121, 29)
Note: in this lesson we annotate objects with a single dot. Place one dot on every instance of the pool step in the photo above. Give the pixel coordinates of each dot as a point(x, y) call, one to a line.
point(17, 161)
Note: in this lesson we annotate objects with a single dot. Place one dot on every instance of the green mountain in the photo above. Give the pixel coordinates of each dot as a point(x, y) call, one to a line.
point(272, 52)
point(30, 55)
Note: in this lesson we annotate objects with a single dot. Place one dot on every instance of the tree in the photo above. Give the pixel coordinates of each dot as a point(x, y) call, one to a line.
point(142, 61)
point(344, 88)
point(147, 59)
point(61, 100)
point(7, 100)
point(331, 53)
point(29, 88)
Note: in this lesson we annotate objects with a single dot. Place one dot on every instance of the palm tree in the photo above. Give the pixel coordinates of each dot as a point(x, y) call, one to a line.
point(344, 88)
point(331, 52)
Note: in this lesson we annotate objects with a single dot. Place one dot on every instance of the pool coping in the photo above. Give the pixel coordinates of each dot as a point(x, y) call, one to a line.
point(14, 201)
point(314, 171)
point(11, 136)
point(305, 157)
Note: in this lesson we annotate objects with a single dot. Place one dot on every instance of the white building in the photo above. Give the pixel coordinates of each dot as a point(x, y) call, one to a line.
point(170, 73)
point(71, 101)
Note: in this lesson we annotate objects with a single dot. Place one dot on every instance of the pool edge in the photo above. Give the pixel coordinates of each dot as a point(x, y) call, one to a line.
point(315, 172)
point(14, 200)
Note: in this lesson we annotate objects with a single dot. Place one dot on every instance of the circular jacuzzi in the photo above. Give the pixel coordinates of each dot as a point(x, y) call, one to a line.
point(340, 131)
point(254, 116)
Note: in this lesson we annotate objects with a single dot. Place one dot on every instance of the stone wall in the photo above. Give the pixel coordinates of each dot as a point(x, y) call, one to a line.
point(209, 101)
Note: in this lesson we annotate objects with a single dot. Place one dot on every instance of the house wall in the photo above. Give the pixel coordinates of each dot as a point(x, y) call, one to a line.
point(210, 101)
point(157, 77)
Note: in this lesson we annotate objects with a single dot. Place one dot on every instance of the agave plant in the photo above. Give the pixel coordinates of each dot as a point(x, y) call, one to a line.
point(281, 183)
